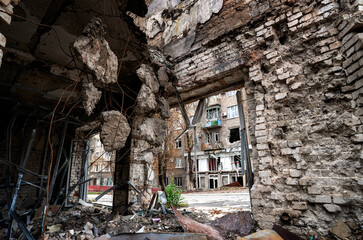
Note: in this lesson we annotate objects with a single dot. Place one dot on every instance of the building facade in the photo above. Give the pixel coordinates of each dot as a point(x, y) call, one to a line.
point(101, 165)
point(218, 145)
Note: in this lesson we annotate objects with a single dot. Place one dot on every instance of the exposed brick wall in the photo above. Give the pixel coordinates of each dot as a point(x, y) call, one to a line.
point(304, 91)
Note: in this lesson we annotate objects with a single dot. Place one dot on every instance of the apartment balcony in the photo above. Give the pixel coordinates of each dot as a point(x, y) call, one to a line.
point(213, 124)
point(209, 146)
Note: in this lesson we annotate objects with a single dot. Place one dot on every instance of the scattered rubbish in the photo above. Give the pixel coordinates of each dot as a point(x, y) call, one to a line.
point(85, 204)
point(156, 219)
point(88, 226)
point(141, 230)
point(263, 235)
point(160, 236)
point(54, 228)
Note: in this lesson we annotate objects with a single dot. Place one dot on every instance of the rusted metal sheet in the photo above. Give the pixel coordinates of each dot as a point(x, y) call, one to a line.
point(240, 223)
point(189, 225)
point(160, 236)
point(263, 235)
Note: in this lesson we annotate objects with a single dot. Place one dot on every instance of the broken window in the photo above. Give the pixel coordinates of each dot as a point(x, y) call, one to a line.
point(234, 135)
point(178, 163)
point(208, 138)
point(237, 162)
point(213, 113)
point(178, 182)
point(232, 111)
point(216, 137)
point(212, 163)
point(213, 181)
point(178, 143)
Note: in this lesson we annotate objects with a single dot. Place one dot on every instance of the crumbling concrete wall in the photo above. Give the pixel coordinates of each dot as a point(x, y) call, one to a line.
point(148, 130)
point(6, 6)
point(301, 65)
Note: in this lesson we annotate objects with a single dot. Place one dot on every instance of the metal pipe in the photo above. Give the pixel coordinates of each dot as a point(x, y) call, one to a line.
point(28, 151)
point(195, 157)
point(244, 142)
point(43, 168)
point(9, 131)
point(21, 169)
point(22, 226)
point(12, 206)
point(70, 191)
point(59, 154)
point(242, 127)
point(69, 171)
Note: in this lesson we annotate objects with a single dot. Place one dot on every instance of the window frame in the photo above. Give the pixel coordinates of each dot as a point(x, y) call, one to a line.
point(178, 144)
point(178, 181)
point(213, 113)
point(208, 138)
point(178, 163)
point(232, 113)
point(215, 136)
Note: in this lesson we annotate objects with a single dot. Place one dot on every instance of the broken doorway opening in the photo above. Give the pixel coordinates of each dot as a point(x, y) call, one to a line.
point(218, 150)
point(101, 168)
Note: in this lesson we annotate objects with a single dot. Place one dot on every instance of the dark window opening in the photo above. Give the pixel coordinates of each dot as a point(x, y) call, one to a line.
point(234, 135)
point(178, 182)
point(237, 162)
point(213, 182)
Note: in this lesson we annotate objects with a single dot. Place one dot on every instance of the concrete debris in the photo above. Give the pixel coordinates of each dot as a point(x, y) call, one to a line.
point(54, 228)
point(263, 235)
point(147, 76)
point(158, 58)
point(240, 223)
point(164, 108)
point(163, 77)
point(190, 225)
point(146, 100)
point(90, 97)
point(153, 130)
point(141, 230)
point(88, 226)
point(114, 131)
point(96, 54)
point(341, 230)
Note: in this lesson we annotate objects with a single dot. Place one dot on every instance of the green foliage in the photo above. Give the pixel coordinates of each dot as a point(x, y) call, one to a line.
point(173, 194)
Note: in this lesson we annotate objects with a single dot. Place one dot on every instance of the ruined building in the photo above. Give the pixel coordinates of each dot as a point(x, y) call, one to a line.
point(73, 68)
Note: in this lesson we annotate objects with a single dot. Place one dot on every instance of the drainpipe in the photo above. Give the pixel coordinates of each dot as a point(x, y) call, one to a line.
point(195, 156)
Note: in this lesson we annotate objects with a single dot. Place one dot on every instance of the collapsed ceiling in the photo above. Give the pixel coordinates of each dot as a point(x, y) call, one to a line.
point(39, 59)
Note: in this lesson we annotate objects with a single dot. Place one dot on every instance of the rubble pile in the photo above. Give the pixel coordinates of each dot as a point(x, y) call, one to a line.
point(89, 222)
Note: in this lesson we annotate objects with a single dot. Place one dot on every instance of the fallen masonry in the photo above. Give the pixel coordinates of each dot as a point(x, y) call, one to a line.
point(74, 69)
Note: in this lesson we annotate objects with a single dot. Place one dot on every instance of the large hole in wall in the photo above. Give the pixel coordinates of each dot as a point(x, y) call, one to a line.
point(214, 162)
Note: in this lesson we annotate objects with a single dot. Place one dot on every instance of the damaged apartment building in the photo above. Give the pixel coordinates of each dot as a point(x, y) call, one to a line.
point(73, 68)
point(218, 147)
